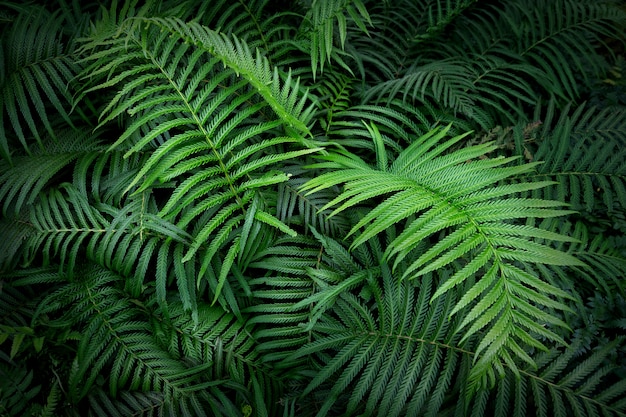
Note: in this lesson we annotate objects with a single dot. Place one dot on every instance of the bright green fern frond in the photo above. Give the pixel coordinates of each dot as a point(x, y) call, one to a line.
point(213, 134)
point(456, 194)
point(254, 68)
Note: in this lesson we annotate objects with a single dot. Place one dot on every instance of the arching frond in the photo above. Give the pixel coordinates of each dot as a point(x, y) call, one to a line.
point(220, 141)
point(434, 193)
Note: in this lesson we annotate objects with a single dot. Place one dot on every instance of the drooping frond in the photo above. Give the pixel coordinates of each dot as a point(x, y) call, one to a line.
point(116, 337)
point(455, 194)
point(320, 23)
point(37, 68)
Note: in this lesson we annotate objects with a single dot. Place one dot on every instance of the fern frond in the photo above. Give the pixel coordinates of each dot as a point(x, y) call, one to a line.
point(212, 123)
point(396, 359)
point(440, 15)
point(22, 182)
point(37, 69)
point(220, 339)
point(560, 35)
point(17, 389)
point(584, 154)
point(436, 193)
point(117, 341)
point(566, 383)
point(146, 404)
point(285, 283)
point(319, 25)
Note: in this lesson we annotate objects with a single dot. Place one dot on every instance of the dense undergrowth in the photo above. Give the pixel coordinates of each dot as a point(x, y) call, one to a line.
point(313, 208)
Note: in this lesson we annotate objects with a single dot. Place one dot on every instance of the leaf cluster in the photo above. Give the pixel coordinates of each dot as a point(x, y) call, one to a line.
point(312, 208)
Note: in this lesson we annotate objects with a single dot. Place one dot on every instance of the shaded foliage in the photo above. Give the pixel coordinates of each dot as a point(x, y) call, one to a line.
point(312, 208)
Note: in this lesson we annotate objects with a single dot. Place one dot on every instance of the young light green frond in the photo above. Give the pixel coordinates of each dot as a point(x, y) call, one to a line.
point(442, 198)
point(236, 55)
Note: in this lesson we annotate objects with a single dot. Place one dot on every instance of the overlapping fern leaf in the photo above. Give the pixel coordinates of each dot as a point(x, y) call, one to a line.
point(584, 154)
point(116, 336)
point(215, 131)
point(453, 196)
point(37, 66)
point(250, 208)
point(391, 353)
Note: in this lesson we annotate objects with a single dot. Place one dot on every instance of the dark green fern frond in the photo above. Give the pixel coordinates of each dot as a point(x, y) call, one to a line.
point(584, 153)
point(294, 208)
point(436, 193)
point(220, 339)
point(37, 69)
point(441, 14)
point(556, 38)
point(566, 383)
point(605, 264)
point(480, 88)
point(117, 344)
point(128, 403)
point(320, 23)
point(18, 388)
point(283, 284)
point(22, 182)
point(396, 359)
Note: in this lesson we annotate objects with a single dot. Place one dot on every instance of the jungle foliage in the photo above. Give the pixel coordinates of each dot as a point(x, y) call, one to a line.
point(313, 208)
